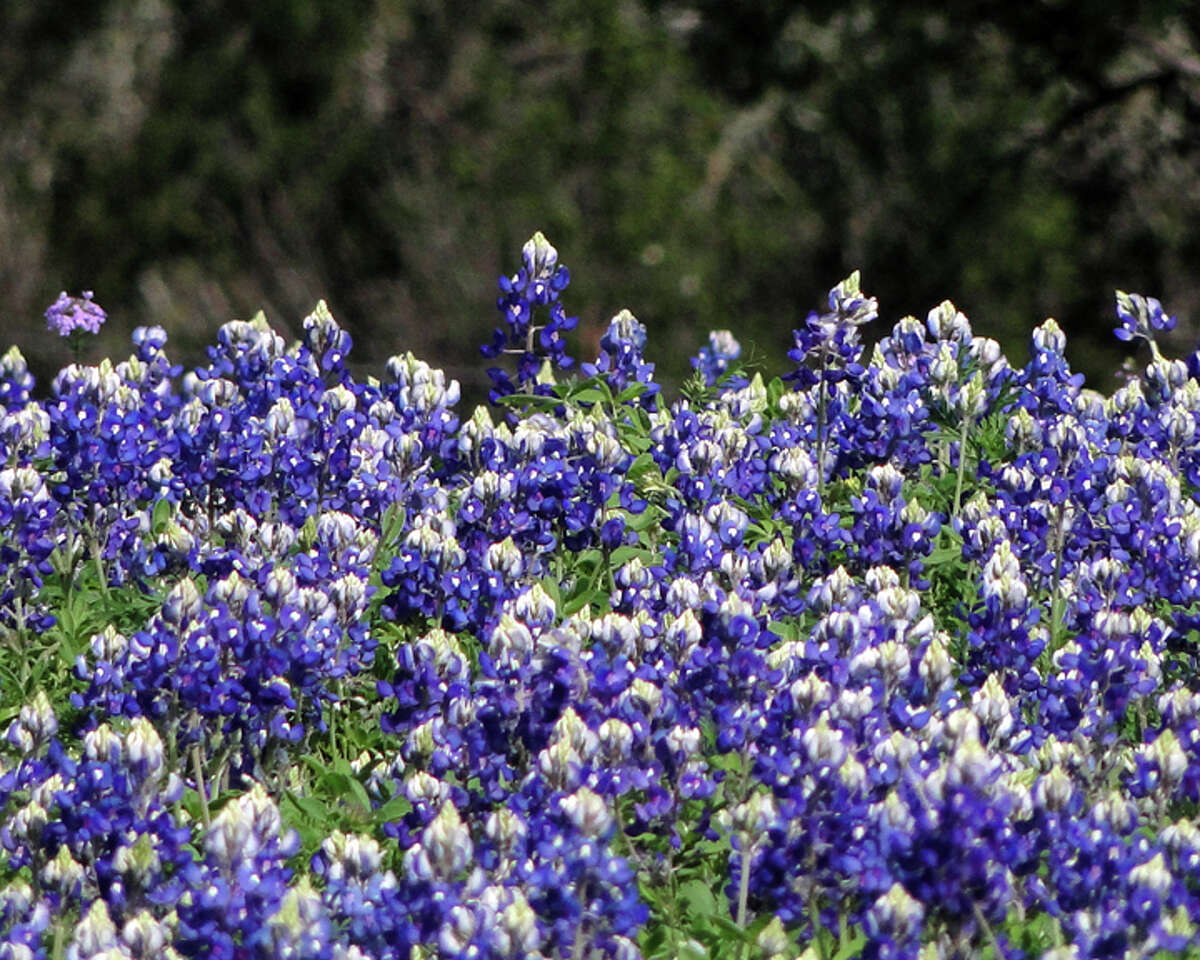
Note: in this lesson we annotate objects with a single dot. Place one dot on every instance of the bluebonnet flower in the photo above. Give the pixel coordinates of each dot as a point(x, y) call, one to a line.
point(621, 358)
point(423, 400)
point(242, 895)
point(1002, 635)
point(563, 708)
point(28, 518)
point(328, 344)
point(894, 924)
point(538, 283)
point(714, 358)
point(890, 530)
point(827, 356)
point(245, 352)
point(96, 827)
point(16, 382)
point(1141, 318)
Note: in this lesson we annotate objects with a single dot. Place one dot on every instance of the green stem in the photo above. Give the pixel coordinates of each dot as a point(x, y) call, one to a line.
point(744, 881)
point(198, 769)
point(747, 848)
point(1056, 600)
point(19, 609)
point(172, 732)
point(333, 740)
point(821, 431)
point(630, 848)
point(58, 950)
point(580, 943)
point(962, 462)
point(987, 929)
point(98, 559)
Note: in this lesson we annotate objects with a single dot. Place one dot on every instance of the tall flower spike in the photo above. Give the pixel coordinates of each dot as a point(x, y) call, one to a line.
point(831, 339)
point(714, 359)
point(622, 357)
point(538, 283)
point(1141, 318)
point(827, 353)
point(16, 382)
point(328, 342)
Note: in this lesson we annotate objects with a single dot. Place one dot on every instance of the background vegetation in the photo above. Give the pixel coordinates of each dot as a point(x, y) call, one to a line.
point(719, 164)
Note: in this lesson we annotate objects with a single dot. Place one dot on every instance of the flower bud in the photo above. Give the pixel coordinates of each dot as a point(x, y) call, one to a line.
point(535, 607)
point(457, 931)
point(1170, 757)
point(1153, 875)
point(63, 873)
point(755, 815)
point(896, 914)
point(773, 941)
point(1054, 790)
point(448, 842)
point(824, 745)
point(139, 861)
point(102, 745)
point(94, 933)
point(947, 322)
point(589, 813)
point(520, 922)
point(183, 602)
point(299, 927)
point(145, 936)
point(504, 558)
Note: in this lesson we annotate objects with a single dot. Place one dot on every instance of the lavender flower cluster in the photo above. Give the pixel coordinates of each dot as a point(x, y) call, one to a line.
point(70, 314)
point(895, 657)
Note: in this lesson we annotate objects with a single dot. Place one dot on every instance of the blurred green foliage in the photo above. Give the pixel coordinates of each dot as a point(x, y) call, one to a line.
point(707, 164)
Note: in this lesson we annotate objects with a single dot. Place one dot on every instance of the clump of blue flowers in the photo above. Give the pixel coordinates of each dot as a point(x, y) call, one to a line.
point(714, 359)
point(539, 347)
point(892, 657)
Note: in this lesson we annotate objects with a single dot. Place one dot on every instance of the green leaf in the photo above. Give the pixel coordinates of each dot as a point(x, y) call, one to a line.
point(362, 800)
point(161, 516)
point(70, 646)
point(589, 395)
point(589, 560)
point(191, 803)
point(315, 765)
point(393, 810)
point(638, 522)
point(633, 440)
point(625, 554)
point(785, 629)
point(643, 463)
point(598, 598)
point(851, 947)
point(308, 532)
point(631, 392)
point(393, 523)
point(553, 590)
point(698, 898)
point(731, 929)
point(529, 400)
point(311, 808)
point(776, 389)
point(945, 555)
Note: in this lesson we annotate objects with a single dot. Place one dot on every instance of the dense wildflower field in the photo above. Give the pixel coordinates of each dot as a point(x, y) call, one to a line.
point(893, 657)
